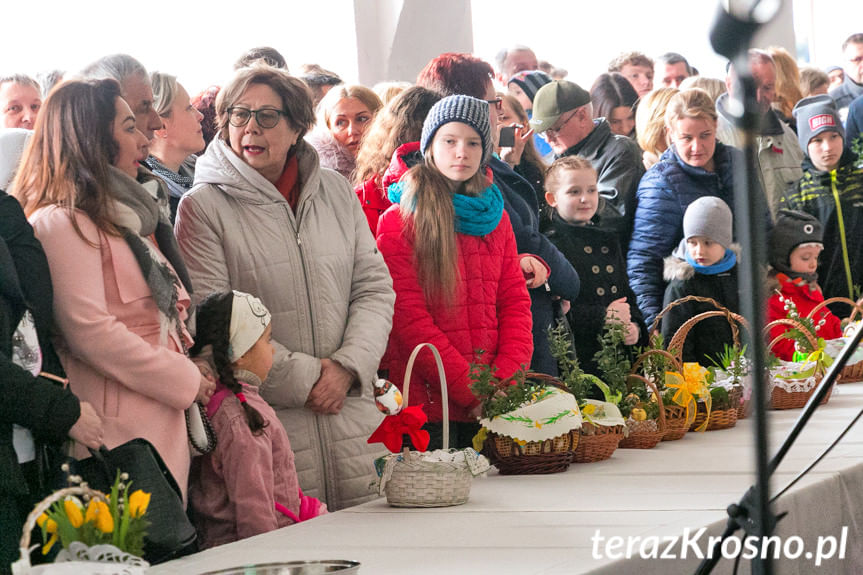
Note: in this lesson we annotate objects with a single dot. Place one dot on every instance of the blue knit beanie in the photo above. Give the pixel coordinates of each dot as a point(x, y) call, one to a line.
point(459, 108)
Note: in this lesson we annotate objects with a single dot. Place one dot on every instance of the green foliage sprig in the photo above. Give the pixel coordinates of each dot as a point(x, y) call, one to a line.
point(498, 397)
point(612, 359)
point(571, 373)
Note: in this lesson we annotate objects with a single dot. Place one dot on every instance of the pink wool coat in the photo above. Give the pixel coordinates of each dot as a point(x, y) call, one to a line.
point(110, 339)
point(233, 490)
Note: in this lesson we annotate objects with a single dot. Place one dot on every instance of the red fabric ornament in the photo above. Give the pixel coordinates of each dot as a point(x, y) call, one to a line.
point(408, 421)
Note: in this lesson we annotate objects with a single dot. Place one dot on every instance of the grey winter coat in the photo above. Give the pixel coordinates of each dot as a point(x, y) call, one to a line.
point(327, 287)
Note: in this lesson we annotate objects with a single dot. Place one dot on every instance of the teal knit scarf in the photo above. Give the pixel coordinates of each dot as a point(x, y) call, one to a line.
point(474, 215)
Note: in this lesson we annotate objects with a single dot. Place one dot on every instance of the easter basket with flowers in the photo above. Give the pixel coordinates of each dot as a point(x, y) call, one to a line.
point(853, 370)
point(101, 534)
point(603, 426)
point(411, 478)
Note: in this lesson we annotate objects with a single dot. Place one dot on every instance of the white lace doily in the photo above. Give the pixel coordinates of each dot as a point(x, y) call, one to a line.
point(550, 413)
point(606, 414)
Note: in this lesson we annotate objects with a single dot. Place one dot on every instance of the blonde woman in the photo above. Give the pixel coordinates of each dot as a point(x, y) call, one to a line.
point(172, 149)
point(650, 125)
point(787, 84)
point(694, 165)
point(344, 115)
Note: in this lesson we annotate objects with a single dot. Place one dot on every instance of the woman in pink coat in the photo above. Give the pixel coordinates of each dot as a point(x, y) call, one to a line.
point(119, 303)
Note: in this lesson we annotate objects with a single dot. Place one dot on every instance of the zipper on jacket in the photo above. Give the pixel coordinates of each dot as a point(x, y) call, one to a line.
point(841, 221)
point(325, 479)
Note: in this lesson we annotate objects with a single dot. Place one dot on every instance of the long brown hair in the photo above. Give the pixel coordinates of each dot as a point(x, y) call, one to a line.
point(399, 122)
point(427, 209)
point(68, 158)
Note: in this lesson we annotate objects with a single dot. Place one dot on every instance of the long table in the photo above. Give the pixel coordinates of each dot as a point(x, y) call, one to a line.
point(548, 524)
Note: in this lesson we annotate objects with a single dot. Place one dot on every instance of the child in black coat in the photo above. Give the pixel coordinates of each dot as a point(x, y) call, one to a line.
point(595, 254)
point(704, 264)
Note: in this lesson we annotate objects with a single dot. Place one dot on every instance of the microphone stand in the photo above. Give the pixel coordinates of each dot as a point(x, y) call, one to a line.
point(731, 37)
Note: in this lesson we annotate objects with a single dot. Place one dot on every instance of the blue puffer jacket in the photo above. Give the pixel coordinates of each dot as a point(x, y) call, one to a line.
point(664, 193)
point(519, 201)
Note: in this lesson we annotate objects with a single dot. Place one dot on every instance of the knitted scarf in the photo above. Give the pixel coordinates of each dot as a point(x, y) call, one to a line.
point(182, 182)
point(474, 215)
point(136, 214)
point(728, 261)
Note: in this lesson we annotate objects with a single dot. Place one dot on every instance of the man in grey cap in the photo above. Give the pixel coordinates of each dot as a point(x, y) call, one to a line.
point(563, 115)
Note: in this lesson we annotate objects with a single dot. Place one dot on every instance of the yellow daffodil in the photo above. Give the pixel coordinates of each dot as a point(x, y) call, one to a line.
point(73, 513)
point(50, 526)
point(138, 503)
point(588, 409)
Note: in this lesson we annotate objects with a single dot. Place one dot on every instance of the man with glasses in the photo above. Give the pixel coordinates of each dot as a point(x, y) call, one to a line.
point(563, 115)
point(852, 86)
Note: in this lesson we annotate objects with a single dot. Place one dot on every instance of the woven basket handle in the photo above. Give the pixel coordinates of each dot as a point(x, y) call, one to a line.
point(656, 394)
point(443, 392)
point(661, 352)
point(42, 507)
point(679, 337)
point(655, 325)
point(790, 323)
point(857, 306)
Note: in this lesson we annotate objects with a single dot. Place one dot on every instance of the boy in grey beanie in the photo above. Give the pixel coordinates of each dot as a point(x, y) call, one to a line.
point(820, 131)
point(705, 265)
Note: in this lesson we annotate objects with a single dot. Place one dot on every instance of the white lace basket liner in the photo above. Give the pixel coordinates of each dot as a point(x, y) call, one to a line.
point(606, 414)
point(430, 479)
point(78, 559)
point(788, 376)
point(549, 414)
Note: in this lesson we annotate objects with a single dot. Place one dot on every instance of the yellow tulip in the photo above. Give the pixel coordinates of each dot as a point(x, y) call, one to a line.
point(73, 513)
point(104, 520)
point(138, 502)
point(50, 526)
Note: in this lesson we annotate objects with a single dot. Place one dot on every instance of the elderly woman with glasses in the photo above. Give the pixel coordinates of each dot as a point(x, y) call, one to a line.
point(266, 219)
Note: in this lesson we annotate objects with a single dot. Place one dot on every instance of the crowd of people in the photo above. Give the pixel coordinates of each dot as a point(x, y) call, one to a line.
point(269, 247)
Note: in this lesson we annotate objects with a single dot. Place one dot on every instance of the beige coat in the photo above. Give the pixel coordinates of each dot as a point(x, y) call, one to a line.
point(329, 291)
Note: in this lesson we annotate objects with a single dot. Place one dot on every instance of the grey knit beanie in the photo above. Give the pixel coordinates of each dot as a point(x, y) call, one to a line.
point(530, 81)
point(709, 217)
point(459, 108)
point(792, 229)
point(814, 115)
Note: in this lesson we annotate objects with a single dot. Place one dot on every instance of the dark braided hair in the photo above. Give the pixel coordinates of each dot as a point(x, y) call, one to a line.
point(213, 328)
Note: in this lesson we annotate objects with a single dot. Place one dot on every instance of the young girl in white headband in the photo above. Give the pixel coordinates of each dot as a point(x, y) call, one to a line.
point(248, 484)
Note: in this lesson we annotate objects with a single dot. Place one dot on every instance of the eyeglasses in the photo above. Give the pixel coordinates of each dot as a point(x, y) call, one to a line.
point(554, 132)
point(266, 117)
point(497, 103)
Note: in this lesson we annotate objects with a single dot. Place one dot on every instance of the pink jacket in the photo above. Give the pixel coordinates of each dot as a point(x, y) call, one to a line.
point(109, 344)
point(233, 489)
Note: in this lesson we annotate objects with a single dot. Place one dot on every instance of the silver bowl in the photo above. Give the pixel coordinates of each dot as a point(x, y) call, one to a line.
point(314, 567)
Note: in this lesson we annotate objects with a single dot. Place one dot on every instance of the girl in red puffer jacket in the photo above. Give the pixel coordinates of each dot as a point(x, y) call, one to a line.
point(451, 252)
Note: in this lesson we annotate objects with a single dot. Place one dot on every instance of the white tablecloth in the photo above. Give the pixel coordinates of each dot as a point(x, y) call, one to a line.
point(543, 524)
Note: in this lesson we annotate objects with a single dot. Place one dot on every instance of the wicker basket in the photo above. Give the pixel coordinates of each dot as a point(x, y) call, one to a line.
point(723, 420)
point(719, 418)
point(780, 398)
point(597, 442)
point(133, 566)
point(850, 373)
point(675, 415)
point(418, 483)
point(644, 436)
point(534, 457)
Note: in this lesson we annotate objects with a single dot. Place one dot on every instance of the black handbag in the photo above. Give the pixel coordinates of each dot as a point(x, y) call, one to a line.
point(170, 534)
